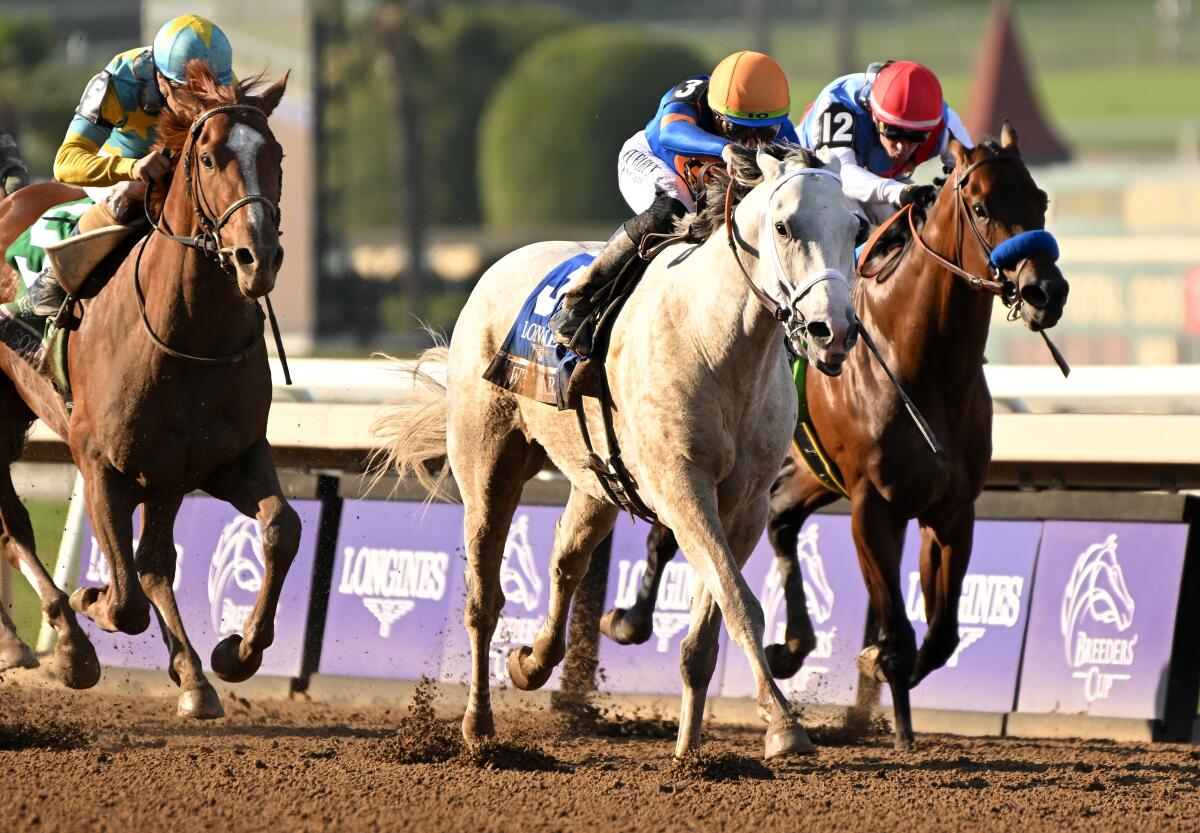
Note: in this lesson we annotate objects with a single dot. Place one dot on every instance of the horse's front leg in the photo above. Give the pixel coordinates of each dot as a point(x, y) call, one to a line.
point(878, 535)
point(120, 606)
point(251, 484)
point(156, 564)
point(635, 625)
point(693, 514)
point(945, 554)
point(583, 524)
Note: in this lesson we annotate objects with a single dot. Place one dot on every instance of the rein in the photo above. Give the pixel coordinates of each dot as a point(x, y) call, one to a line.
point(208, 242)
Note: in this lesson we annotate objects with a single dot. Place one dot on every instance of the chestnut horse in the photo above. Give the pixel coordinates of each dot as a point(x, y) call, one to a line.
point(171, 391)
point(935, 318)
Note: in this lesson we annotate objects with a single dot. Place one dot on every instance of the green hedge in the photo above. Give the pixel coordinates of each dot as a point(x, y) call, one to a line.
point(551, 133)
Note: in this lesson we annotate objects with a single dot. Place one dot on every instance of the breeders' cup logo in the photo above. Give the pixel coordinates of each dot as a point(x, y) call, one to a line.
point(391, 581)
point(1096, 596)
point(522, 583)
point(235, 574)
point(672, 610)
point(98, 573)
point(986, 601)
point(818, 597)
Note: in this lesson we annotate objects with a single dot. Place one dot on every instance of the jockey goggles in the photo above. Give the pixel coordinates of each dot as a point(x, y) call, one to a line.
point(899, 134)
point(745, 133)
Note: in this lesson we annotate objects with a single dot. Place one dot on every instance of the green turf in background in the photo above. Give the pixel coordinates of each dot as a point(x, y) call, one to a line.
point(49, 517)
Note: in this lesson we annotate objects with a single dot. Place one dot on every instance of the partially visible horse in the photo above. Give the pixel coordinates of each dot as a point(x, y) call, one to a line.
point(171, 391)
point(921, 294)
point(704, 410)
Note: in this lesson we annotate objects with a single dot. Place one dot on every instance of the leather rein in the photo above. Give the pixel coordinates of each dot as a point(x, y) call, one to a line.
point(208, 242)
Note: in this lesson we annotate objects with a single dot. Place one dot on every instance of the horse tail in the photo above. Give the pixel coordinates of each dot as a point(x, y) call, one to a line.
point(412, 428)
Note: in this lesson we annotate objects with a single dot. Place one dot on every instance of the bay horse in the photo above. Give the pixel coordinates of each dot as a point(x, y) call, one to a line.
point(920, 291)
point(704, 409)
point(171, 389)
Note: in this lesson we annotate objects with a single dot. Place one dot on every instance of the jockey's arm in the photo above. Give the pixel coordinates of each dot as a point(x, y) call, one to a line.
point(955, 128)
point(863, 186)
point(79, 160)
point(679, 134)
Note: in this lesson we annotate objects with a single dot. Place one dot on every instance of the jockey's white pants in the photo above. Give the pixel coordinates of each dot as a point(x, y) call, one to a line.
point(639, 171)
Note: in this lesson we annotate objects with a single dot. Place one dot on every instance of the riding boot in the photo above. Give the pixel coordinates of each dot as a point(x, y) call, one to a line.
point(43, 298)
point(573, 326)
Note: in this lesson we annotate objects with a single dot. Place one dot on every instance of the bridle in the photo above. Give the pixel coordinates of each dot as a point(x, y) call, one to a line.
point(788, 313)
point(208, 242)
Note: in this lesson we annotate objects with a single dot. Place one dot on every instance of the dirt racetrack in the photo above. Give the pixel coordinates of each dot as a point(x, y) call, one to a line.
point(78, 761)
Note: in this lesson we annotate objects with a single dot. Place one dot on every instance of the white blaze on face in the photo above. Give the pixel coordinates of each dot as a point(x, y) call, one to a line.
point(245, 142)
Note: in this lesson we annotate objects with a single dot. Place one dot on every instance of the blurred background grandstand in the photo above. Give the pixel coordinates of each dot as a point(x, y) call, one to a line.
point(426, 139)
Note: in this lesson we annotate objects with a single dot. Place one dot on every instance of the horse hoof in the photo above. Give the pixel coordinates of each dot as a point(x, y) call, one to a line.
point(200, 703)
point(517, 658)
point(904, 744)
point(868, 664)
point(75, 663)
point(83, 598)
point(616, 627)
point(782, 662)
point(788, 739)
point(477, 727)
point(19, 655)
point(91, 602)
point(227, 661)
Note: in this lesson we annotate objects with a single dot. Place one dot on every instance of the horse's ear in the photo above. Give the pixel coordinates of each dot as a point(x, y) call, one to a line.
point(770, 166)
point(271, 96)
point(1008, 138)
point(829, 160)
point(959, 152)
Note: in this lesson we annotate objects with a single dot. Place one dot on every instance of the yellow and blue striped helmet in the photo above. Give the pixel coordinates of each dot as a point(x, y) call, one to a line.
point(187, 38)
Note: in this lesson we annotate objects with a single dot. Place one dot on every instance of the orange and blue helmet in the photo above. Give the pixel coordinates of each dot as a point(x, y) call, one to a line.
point(750, 89)
point(190, 37)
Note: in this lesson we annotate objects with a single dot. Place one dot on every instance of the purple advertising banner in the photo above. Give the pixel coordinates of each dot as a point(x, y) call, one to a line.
point(525, 577)
point(653, 667)
point(390, 599)
point(1103, 616)
point(837, 608)
point(218, 570)
point(981, 675)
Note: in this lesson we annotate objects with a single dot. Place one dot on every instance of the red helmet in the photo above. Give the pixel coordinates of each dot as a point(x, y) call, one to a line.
point(907, 95)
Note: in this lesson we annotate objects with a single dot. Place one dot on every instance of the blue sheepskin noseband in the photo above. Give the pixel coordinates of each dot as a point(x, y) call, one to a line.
point(1026, 244)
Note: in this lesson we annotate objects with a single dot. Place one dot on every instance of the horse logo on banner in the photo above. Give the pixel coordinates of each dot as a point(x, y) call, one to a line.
point(235, 574)
point(519, 575)
point(1096, 595)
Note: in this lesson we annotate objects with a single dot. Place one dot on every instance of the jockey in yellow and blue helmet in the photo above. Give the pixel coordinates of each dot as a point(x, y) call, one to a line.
point(107, 147)
point(744, 102)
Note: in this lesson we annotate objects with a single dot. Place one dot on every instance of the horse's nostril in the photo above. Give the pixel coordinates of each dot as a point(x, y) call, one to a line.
point(817, 329)
point(244, 256)
point(1035, 296)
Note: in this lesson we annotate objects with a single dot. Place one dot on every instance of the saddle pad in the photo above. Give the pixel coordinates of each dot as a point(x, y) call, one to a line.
point(528, 361)
point(27, 254)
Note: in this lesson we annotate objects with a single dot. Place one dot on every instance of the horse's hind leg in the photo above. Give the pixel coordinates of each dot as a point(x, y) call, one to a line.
point(795, 495)
point(13, 652)
point(156, 564)
point(581, 527)
point(75, 662)
point(251, 484)
point(635, 625)
point(697, 662)
point(945, 553)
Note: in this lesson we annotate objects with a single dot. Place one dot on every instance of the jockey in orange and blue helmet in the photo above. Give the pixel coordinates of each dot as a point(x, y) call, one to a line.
point(882, 125)
point(107, 147)
point(745, 101)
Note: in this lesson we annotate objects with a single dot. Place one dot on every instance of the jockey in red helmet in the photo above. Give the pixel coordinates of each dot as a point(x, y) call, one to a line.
point(882, 125)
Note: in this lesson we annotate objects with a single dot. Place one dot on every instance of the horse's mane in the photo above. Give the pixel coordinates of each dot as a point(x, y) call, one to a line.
point(201, 91)
point(710, 207)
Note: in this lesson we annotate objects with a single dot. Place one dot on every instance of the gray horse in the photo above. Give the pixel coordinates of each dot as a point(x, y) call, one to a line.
point(705, 409)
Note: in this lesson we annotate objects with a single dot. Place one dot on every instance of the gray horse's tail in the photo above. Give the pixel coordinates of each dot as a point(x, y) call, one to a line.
point(412, 427)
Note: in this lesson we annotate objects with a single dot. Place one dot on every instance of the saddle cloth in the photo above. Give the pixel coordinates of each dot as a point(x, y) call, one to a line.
point(528, 361)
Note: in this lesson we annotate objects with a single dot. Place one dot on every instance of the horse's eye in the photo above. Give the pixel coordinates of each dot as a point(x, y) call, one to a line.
point(206, 160)
point(979, 210)
point(781, 228)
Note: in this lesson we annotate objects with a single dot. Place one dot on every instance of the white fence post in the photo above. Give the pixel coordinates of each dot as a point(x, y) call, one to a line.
point(66, 568)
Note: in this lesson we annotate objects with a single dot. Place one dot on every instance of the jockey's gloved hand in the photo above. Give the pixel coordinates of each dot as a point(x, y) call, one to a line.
point(918, 195)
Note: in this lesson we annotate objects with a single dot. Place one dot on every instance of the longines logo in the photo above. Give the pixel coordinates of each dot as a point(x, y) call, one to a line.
point(98, 572)
point(391, 581)
point(986, 601)
point(819, 599)
point(523, 584)
point(672, 611)
point(1096, 597)
point(235, 574)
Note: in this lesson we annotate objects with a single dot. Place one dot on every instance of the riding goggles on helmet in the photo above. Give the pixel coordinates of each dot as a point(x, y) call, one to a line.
point(899, 134)
point(746, 133)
